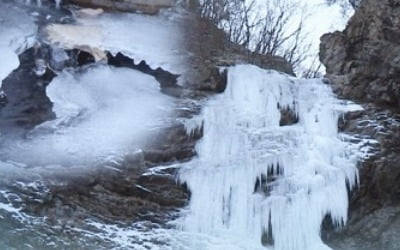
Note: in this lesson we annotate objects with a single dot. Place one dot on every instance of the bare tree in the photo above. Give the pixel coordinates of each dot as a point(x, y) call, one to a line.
point(314, 70)
point(268, 32)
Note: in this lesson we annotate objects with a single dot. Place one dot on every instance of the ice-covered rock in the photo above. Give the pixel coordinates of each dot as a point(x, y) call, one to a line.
point(154, 39)
point(17, 33)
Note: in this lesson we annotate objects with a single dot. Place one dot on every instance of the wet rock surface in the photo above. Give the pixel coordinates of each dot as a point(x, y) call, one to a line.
point(362, 65)
point(374, 205)
point(26, 102)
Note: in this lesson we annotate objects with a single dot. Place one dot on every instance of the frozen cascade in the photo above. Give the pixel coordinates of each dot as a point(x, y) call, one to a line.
point(254, 177)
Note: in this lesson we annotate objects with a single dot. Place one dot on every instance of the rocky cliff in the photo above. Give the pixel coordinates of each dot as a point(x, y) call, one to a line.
point(362, 63)
point(363, 60)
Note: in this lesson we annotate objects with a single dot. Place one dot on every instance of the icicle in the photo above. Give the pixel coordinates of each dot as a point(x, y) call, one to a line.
point(58, 3)
point(253, 176)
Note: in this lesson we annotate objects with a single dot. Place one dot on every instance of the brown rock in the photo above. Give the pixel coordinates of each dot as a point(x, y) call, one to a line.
point(363, 64)
point(363, 60)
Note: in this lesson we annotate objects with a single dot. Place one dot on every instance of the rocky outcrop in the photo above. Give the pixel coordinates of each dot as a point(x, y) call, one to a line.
point(142, 6)
point(363, 60)
point(374, 213)
point(362, 63)
point(26, 103)
point(212, 51)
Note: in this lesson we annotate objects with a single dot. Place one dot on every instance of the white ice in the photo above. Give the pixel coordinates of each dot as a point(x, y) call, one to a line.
point(156, 39)
point(17, 32)
point(102, 112)
point(58, 3)
point(307, 165)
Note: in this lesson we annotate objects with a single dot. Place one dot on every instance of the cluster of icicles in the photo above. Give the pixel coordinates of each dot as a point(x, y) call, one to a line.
point(39, 2)
point(268, 184)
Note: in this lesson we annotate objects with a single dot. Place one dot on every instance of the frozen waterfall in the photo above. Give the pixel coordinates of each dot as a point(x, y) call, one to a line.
point(255, 178)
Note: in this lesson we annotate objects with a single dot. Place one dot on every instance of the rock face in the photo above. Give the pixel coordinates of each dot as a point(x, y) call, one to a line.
point(363, 60)
point(143, 6)
point(26, 102)
point(363, 65)
point(213, 51)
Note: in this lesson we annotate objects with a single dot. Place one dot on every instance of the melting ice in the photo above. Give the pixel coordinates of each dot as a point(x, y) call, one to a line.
point(255, 178)
point(100, 112)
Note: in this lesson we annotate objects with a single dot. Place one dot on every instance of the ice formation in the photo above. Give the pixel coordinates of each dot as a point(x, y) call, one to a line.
point(17, 33)
point(58, 3)
point(100, 113)
point(254, 177)
point(157, 39)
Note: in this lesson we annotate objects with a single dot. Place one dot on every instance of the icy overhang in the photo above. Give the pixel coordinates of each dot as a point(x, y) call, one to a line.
point(157, 40)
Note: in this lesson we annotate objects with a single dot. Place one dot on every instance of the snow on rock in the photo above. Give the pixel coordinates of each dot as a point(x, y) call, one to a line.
point(254, 177)
point(154, 39)
point(101, 112)
point(17, 33)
